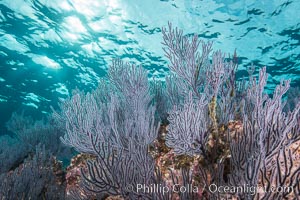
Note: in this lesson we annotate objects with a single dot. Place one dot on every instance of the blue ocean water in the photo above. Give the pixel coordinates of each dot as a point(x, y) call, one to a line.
point(48, 48)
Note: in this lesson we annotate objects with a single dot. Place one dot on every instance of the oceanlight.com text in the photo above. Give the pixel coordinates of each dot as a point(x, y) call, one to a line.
point(213, 188)
point(252, 190)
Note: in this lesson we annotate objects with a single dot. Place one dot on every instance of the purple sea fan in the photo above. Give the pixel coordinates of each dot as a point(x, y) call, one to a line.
point(187, 132)
point(215, 74)
point(186, 61)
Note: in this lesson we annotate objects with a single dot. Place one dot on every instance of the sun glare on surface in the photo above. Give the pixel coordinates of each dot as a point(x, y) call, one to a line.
point(45, 61)
point(74, 25)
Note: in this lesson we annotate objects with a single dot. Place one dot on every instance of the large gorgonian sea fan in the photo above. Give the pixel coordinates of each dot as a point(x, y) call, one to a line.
point(187, 131)
point(185, 59)
point(133, 89)
point(125, 114)
point(264, 151)
point(195, 75)
point(116, 129)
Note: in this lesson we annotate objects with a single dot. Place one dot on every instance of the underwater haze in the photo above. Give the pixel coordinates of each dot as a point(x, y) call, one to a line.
point(48, 48)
